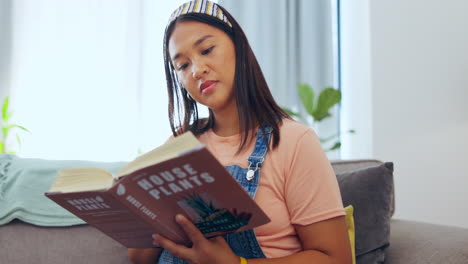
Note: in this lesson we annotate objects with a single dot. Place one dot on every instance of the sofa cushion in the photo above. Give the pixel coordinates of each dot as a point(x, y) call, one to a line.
point(23, 183)
point(416, 242)
point(370, 191)
point(23, 243)
point(342, 166)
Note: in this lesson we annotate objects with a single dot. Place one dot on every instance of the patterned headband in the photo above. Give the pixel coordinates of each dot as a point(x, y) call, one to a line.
point(201, 7)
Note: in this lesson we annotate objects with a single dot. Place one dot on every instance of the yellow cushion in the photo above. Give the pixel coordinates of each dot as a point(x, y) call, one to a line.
point(351, 233)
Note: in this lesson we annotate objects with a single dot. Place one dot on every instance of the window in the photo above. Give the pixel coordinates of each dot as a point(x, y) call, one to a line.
point(87, 77)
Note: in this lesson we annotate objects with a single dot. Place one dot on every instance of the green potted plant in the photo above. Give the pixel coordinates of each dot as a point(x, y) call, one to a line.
point(319, 109)
point(8, 128)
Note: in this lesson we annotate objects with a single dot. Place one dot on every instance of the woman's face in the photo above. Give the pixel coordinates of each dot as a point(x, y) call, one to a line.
point(204, 59)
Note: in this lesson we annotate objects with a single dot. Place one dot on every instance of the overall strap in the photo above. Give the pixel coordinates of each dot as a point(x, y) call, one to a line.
point(261, 147)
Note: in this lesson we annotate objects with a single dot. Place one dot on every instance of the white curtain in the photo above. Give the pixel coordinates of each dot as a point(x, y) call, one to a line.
point(293, 41)
point(86, 77)
point(5, 46)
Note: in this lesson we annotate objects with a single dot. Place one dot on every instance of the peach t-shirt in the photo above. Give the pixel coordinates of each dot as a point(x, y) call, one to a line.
point(297, 184)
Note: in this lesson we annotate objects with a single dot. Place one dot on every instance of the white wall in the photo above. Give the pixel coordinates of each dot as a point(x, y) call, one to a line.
point(418, 71)
point(356, 102)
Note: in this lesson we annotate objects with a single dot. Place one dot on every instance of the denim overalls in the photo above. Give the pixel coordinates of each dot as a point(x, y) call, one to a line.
point(244, 243)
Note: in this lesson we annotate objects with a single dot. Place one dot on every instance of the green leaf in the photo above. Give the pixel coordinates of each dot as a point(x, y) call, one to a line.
point(307, 97)
point(5, 131)
point(324, 140)
point(291, 112)
point(328, 98)
point(16, 126)
point(22, 128)
point(18, 139)
point(336, 146)
point(2, 147)
point(6, 102)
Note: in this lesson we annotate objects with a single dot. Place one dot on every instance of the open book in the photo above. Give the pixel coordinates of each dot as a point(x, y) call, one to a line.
point(181, 176)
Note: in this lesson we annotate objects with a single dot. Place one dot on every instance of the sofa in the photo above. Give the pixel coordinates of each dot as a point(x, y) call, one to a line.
point(394, 240)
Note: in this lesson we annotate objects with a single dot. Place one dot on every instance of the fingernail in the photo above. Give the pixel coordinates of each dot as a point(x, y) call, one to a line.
point(179, 217)
point(155, 239)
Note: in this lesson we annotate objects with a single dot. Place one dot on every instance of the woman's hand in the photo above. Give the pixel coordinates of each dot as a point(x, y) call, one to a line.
point(214, 250)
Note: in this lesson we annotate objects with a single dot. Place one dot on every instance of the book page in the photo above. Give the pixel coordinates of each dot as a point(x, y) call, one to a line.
point(82, 179)
point(91, 179)
point(171, 149)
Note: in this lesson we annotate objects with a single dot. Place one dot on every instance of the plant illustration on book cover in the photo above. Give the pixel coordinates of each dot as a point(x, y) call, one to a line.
point(209, 217)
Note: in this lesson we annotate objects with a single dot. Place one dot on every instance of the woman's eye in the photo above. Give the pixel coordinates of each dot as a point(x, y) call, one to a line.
point(207, 51)
point(183, 67)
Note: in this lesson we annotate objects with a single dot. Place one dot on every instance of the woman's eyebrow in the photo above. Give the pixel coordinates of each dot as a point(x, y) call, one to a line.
point(200, 40)
point(195, 44)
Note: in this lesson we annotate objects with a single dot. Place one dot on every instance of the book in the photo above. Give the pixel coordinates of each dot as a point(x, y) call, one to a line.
point(181, 176)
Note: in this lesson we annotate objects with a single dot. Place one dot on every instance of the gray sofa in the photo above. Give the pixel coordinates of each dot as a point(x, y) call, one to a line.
point(409, 242)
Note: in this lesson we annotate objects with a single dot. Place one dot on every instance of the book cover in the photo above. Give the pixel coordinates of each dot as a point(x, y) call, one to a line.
point(146, 200)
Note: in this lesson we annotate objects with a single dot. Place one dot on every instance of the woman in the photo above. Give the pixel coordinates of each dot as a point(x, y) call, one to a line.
point(208, 60)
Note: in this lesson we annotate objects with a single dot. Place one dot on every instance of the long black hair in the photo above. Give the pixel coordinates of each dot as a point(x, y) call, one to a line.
point(255, 104)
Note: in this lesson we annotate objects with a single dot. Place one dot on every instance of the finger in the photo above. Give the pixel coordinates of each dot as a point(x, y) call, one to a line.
point(177, 250)
point(190, 229)
point(218, 239)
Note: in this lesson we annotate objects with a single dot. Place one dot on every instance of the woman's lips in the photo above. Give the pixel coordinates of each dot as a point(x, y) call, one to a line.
point(207, 86)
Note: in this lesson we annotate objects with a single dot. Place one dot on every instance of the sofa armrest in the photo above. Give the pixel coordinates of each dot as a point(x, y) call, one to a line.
point(416, 242)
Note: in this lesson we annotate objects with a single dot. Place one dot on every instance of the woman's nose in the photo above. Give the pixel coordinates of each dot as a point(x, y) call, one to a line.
point(199, 69)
